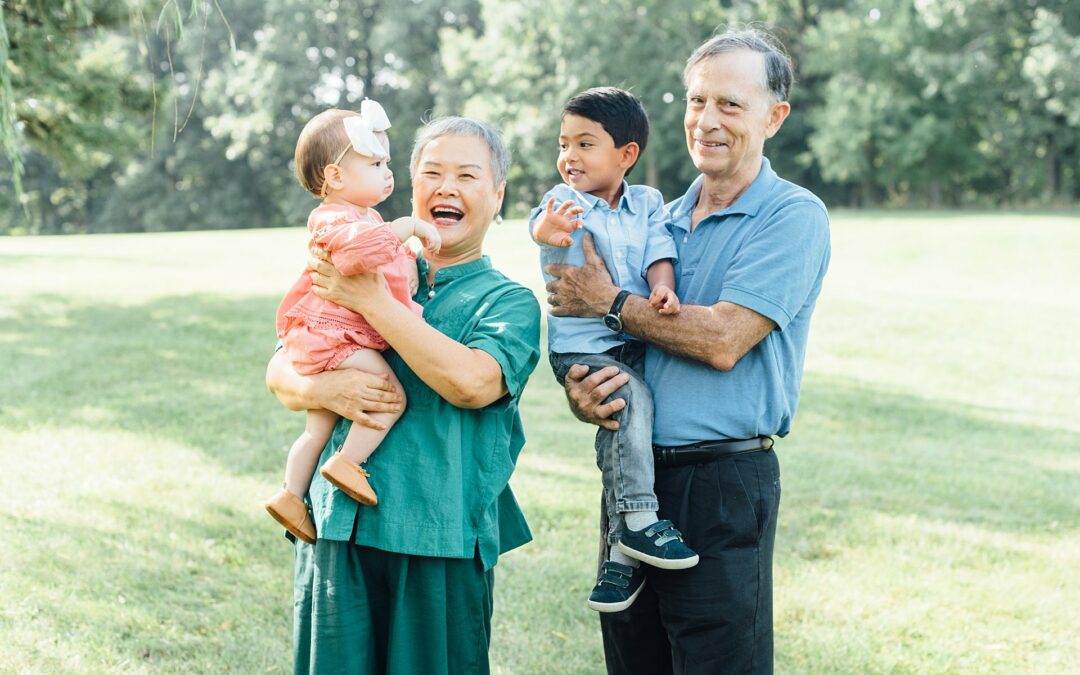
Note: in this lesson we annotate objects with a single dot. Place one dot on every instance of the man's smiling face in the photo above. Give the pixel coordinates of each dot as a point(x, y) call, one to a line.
point(729, 114)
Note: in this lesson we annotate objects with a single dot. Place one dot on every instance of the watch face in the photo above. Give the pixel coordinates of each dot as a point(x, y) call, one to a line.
point(613, 322)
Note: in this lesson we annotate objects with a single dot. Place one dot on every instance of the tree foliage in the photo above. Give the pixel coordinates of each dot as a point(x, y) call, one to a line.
point(182, 114)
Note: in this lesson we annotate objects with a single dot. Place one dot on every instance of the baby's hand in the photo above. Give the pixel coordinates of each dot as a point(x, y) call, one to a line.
point(429, 235)
point(664, 299)
point(554, 226)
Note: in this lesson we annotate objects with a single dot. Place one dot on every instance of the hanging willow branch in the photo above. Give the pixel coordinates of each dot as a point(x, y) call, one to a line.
point(170, 25)
point(8, 130)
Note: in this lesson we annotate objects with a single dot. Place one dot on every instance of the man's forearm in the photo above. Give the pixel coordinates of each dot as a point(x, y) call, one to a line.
point(717, 336)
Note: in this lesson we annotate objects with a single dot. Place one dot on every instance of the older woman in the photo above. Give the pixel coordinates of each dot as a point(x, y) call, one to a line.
point(406, 587)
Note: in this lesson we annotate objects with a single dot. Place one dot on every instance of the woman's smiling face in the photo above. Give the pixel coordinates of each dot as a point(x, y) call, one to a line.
point(454, 188)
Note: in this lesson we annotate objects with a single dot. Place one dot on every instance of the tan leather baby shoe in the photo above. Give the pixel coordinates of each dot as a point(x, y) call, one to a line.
point(292, 513)
point(350, 478)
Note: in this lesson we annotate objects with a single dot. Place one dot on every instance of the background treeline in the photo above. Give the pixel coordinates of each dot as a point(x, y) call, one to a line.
point(147, 115)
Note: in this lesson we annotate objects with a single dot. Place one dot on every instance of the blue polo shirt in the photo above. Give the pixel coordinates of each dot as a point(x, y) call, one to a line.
point(767, 252)
point(629, 238)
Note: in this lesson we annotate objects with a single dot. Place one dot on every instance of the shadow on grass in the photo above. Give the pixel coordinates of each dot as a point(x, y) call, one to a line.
point(187, 368)
point(190, 369)
point(859, 449)
point(190, 595)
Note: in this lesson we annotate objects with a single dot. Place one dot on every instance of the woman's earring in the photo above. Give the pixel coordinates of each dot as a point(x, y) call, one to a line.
point(498, 219)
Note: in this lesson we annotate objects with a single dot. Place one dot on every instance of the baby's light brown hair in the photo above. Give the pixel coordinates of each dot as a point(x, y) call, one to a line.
point(321, 141)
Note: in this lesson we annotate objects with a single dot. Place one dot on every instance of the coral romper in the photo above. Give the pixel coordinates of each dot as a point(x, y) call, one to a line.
point(319, 334)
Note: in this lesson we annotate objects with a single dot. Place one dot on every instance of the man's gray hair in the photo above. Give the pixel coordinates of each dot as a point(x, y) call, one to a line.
point(778, 71)
point(463, 126)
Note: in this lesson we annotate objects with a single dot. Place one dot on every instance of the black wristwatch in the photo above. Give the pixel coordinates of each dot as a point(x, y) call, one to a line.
point(613, 319)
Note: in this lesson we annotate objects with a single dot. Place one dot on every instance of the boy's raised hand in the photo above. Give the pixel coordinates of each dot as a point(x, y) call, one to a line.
point(664, 299)
point(554, 226)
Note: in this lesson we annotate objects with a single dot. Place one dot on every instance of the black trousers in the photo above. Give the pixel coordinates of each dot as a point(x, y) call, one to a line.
point(715, 618)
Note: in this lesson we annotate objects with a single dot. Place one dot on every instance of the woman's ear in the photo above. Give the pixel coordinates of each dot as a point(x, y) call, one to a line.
point(499, 194)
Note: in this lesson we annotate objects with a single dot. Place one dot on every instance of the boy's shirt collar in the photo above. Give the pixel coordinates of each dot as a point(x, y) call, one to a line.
point(588, 201)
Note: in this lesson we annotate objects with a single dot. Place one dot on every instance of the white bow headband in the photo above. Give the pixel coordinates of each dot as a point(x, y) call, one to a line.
point(361, 130)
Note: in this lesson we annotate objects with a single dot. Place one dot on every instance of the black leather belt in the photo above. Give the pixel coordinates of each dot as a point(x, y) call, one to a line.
point(708, 451)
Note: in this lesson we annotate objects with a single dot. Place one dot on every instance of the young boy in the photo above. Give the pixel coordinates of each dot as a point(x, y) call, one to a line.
point(602, 133)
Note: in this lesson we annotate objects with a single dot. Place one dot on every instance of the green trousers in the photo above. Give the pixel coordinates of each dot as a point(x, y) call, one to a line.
point(364, 611)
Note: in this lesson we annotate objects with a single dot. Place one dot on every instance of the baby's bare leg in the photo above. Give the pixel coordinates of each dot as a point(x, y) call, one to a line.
point(305, 451)
point(361, 440)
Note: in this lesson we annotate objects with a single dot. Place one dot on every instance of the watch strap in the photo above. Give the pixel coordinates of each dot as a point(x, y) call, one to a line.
point(620, 300)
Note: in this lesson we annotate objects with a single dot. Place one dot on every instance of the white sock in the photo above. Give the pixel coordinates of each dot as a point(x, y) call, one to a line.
point(639, 520)
point(618, 556)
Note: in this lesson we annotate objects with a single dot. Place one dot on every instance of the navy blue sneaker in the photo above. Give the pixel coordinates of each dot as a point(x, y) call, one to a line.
point(659, 545)
point(617, 588)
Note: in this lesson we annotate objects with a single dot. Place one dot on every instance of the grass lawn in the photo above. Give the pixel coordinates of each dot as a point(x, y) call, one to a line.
point(931, 513)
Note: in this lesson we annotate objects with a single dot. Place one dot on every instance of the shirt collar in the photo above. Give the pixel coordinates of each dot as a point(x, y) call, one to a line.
point(454, 271)
point(748, 203)
point(588, 201)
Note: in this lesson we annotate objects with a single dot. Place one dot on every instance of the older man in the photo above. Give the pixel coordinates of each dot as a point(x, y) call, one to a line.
point(725, 372)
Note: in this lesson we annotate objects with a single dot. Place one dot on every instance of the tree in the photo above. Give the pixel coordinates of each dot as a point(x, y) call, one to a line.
point(232, 166)
point(530, 57)
point(72, 91)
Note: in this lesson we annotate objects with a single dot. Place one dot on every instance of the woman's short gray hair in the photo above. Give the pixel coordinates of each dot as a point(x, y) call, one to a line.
point(463, 126)
point(778, 71)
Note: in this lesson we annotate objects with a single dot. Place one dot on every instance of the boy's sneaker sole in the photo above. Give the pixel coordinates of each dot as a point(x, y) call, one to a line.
point(662, 539)
point(662, 563)
point(607, 607)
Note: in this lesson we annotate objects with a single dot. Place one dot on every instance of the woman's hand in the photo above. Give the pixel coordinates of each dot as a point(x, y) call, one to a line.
point(354, 393)
point(414, 280)
point(348, 392)
point(360, 292)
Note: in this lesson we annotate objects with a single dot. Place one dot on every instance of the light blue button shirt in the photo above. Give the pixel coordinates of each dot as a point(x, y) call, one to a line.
point(768, 252)
point(629, 238)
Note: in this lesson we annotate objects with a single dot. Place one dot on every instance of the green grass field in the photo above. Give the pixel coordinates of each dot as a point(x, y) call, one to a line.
point(931, 513)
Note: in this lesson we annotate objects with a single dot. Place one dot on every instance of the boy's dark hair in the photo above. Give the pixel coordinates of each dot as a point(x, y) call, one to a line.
point(618, 111)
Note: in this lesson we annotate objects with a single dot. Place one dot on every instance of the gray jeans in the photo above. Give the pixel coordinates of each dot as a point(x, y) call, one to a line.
point(624, 456)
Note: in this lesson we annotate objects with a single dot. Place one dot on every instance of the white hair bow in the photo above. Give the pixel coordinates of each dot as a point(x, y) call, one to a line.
point(361, 129)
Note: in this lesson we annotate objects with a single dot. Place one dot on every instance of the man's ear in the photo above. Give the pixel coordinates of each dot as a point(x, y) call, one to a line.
point(628, 154)
point(777, 114)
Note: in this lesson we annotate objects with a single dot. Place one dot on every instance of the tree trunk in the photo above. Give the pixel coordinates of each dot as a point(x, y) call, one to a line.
point(1050, 189)
point(933, 193)
point(652, 172)
point(866, 190)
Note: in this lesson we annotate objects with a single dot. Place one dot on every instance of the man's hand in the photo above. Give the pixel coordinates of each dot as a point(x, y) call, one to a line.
point(586, 395)
point(664, 299)
point(554, 226)
point(581, 291)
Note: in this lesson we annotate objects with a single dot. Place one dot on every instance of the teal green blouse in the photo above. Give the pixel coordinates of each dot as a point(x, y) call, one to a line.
point(442, 472)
